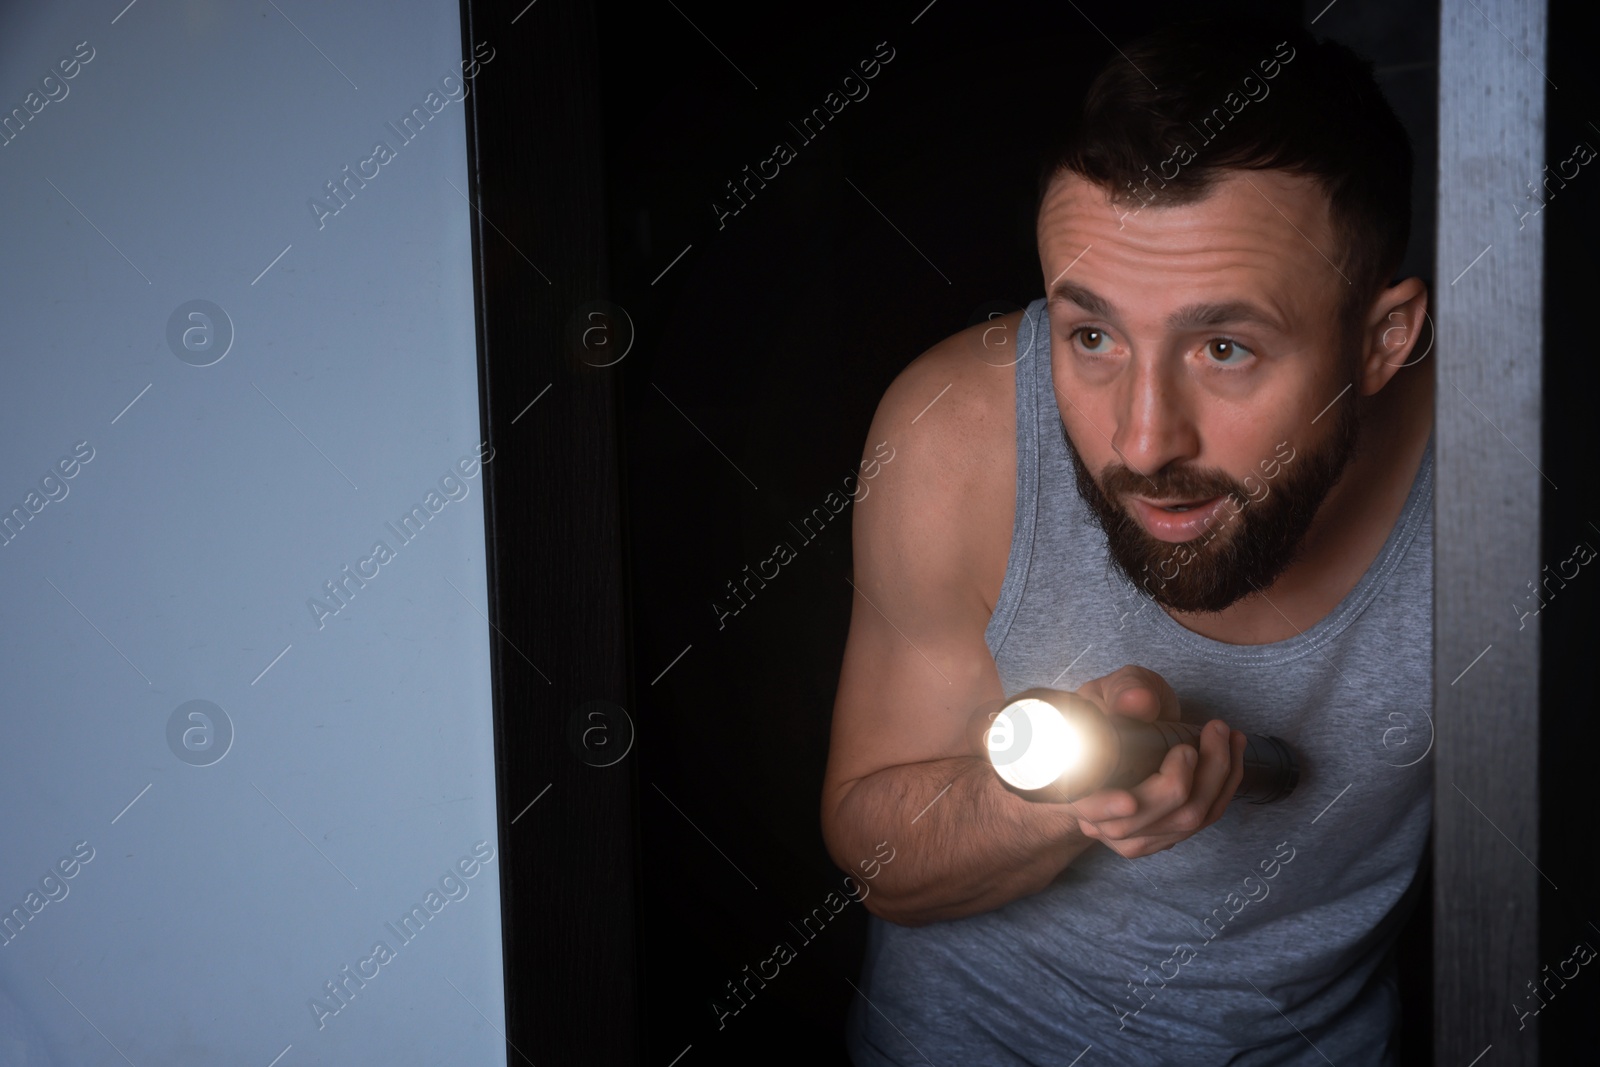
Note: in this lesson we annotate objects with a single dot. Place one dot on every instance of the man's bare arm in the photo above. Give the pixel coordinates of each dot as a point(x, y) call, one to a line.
point(974, 845)
point(916, 668)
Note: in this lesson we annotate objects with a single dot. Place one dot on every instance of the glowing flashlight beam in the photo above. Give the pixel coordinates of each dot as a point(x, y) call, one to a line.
point(1031, 744)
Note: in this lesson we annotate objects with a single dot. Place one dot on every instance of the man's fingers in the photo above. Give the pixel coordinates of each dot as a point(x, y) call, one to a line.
point(1189, 793)
point(1136, 699)
point(1134, 691)
point(1236, 746)
point(1141, 693)
point(1216, 763)
point(1104, 805)
point(1156, 796)
point(1190, 818)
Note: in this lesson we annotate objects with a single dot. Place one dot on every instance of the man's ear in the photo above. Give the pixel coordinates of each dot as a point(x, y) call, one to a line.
point(1393, 334)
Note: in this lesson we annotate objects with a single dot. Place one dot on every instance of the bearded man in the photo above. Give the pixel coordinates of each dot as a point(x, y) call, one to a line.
point(1192, 481)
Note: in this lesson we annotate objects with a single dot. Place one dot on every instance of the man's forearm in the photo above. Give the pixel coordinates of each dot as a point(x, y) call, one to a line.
point(973, 846)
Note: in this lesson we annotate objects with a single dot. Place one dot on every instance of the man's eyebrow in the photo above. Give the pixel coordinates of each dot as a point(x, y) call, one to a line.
point(1217, 314)
point(1188, 317)
point(1077, 294)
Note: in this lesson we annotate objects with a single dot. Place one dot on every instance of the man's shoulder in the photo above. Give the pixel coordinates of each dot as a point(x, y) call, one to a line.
point(958, 399)
point(951, 417)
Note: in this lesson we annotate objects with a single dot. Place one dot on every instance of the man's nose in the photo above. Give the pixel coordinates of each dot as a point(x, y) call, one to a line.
point(1155, 425)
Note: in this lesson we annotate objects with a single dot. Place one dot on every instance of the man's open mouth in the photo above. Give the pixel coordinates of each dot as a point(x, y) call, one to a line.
point(1189, 506)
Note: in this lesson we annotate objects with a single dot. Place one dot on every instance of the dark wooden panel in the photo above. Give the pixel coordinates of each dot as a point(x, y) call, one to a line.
point(1488, 301)
point(555, 553)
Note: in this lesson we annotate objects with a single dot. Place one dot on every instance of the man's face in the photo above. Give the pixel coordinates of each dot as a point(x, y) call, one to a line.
point(1196, 357)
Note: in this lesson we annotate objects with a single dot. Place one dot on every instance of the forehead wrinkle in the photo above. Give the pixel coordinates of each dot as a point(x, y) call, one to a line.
point(1245, 298)
point(1232, 280)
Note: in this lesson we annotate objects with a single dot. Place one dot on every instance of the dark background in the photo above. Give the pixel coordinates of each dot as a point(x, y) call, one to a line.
point(1570, 734)
point(770, 342)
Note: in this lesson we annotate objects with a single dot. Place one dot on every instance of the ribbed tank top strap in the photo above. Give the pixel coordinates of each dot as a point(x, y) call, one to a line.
point(1033, 384)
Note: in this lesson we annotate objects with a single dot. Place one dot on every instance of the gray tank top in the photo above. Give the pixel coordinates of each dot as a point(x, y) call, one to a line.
point(1263, 939)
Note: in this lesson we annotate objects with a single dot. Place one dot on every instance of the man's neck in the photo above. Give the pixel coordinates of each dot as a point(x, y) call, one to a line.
point(1350, 528)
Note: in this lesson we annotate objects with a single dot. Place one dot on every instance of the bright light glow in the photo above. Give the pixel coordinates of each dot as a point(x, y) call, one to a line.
point(1031, 745)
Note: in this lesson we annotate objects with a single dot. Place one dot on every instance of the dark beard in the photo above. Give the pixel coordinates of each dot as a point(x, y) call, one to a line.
point(1242, 553)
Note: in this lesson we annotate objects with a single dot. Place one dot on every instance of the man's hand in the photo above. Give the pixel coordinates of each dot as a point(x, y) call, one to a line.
point(1188, 793)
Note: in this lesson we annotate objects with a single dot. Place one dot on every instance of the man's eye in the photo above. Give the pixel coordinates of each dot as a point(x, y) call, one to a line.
point(1092, 340)
point(1227, 352)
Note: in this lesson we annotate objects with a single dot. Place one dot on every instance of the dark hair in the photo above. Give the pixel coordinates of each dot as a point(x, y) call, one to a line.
point(1205, 85)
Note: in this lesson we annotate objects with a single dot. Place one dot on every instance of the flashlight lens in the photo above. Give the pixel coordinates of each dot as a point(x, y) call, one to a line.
point(1031, 745)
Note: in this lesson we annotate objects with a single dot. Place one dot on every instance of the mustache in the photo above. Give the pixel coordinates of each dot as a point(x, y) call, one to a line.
point(1118, 480)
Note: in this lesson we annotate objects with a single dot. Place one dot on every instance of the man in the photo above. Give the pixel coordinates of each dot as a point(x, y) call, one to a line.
point(1194, 481)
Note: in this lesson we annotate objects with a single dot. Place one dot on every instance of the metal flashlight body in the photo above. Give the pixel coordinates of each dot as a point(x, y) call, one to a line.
point(1052, 746)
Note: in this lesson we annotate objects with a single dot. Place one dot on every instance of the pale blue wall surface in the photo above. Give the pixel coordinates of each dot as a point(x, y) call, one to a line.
point(180, 560)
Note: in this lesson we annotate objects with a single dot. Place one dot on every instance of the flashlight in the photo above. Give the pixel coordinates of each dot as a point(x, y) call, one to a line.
point(1052, 746)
